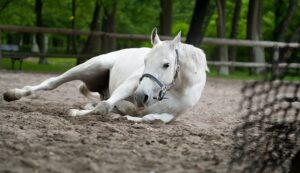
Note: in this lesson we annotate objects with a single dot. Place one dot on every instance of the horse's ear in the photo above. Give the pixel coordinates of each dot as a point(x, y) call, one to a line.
point(154, 37)
point(176, 40)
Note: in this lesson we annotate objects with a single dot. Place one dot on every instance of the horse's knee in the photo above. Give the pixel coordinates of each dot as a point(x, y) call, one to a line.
point(10, 95)
point(102, 108)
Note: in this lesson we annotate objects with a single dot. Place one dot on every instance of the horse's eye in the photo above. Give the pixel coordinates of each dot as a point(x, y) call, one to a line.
point(166, 65)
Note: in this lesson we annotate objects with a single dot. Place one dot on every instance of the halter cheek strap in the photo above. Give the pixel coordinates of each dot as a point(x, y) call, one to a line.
point(163, 87)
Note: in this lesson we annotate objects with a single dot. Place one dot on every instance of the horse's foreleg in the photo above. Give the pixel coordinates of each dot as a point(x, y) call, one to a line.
point(124, 107)
point(155, 111)
point(76, 112)
point(125, 90)
point(164, 117)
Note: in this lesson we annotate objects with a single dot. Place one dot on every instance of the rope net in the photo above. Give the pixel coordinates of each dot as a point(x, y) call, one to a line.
point(267, 140)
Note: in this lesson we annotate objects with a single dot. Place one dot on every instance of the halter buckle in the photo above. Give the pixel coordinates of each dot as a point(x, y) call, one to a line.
point(162, 93)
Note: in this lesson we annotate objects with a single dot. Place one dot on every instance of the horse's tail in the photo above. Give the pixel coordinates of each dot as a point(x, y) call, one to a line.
point(87, 93)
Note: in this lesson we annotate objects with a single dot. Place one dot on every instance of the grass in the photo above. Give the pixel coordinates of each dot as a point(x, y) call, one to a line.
point(59, 65)
point(55, 65)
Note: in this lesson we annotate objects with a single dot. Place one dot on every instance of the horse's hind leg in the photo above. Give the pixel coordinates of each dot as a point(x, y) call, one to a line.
point(83, 72)
point(48, 84)
point(83, 89)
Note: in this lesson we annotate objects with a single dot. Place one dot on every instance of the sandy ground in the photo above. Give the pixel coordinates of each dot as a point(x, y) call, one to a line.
point(37, 135)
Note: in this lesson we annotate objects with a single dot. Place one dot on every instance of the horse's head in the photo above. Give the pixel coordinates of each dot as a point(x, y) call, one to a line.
point(161, 68)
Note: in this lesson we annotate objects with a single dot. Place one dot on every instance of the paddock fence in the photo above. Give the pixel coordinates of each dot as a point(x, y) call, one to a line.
point(276, 46)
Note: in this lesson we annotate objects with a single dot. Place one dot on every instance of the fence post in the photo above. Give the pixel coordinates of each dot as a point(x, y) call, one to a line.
point(275, 68)
point(0, 45)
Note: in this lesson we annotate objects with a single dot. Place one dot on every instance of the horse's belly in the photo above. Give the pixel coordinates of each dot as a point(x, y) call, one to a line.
point(125, 67)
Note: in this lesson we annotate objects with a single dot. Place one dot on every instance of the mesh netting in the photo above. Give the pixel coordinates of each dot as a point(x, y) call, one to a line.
point(268, 137)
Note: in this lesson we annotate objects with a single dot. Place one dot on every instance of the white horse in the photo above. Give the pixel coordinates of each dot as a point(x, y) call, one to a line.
point(157, 83)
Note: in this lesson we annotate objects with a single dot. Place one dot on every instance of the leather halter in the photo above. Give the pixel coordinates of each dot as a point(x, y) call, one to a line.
point(163, 87)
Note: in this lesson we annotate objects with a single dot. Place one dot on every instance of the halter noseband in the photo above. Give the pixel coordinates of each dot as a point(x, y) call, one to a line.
point(163, 87)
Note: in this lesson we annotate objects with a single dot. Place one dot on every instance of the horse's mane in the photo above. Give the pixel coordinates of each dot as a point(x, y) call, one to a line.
point(197, 56)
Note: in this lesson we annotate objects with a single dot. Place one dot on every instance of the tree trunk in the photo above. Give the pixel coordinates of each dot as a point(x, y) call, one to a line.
point(108, 25)
point(195, 34)
point(73, 37)
point(165, 17)
point(40, 37)
point(234, 28)
point(294, 38)
point(92, 44)
point(282, 23)
point(254, 25)
point(221, 31)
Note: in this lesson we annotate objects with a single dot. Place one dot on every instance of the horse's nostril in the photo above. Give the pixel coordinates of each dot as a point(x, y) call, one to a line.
point(145, 98)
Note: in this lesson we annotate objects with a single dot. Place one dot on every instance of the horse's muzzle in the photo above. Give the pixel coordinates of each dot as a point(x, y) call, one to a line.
point(141, 98)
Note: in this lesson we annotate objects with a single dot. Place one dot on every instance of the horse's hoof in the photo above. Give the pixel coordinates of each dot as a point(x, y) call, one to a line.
point(10, 95)
point(73, 112)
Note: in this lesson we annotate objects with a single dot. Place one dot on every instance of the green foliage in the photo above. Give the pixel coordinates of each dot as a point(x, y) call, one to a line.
point(183, 27)
point(182, 14)
point(18, 13)
point(137, 16)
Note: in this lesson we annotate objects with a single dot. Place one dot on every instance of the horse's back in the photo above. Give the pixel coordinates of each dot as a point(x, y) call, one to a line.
point(128, 62)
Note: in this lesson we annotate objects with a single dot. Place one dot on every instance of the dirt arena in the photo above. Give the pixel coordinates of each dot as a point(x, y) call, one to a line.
point(37, 135)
